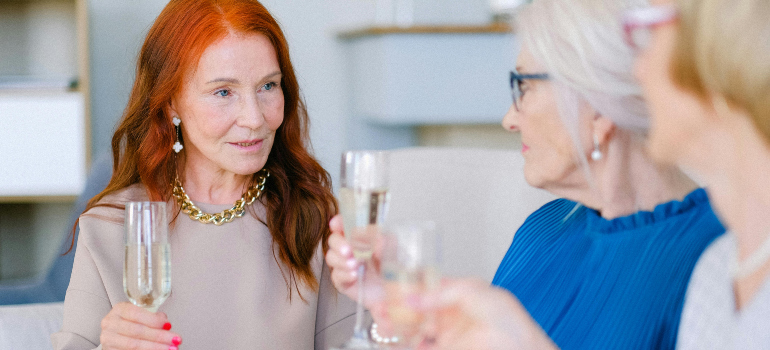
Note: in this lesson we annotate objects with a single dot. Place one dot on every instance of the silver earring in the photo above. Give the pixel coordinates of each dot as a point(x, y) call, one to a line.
point(596, 154)
point(177, 145)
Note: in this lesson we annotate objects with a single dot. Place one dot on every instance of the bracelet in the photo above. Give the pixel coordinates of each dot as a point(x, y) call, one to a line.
point(377, 338)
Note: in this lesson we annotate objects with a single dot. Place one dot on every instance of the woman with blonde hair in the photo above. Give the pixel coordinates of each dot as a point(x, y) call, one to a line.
point(706, 72)
point(607, 266)
point(215, 128)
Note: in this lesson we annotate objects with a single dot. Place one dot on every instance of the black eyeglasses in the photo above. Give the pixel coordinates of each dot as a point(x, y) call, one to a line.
point(516, 81)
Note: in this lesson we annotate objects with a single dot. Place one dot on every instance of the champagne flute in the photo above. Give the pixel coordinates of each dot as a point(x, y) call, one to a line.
point(363, 205)
point(147, 265)
point(409, 266)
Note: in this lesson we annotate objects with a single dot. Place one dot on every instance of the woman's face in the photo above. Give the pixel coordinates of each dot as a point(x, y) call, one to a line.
point(677, 117)
point(231, 105)
point(547, 147)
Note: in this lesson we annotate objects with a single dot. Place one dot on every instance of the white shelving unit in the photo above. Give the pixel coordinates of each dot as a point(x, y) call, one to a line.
point(44, 127)
point(42, 139)
point(44, 135)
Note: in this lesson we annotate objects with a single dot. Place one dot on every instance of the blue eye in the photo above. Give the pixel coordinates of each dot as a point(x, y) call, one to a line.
point(269, 86)
point(223, 93)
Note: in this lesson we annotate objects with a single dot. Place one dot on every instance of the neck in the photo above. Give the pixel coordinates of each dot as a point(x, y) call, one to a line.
point(213, 186)
point(626, 180)
point(740, 187)
point(743, 203)
point(741, 195)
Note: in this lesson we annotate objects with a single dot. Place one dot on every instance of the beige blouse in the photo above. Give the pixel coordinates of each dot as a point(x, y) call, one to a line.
point(227, 288)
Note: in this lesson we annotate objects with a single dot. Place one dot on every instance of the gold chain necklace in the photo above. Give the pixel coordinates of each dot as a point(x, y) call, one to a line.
point(227, 215)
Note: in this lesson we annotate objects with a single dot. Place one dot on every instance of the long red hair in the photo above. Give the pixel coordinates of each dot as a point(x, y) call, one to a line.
point(297, 196)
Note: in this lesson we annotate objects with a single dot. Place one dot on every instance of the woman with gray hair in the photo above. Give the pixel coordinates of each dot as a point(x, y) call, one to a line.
point(607, 266)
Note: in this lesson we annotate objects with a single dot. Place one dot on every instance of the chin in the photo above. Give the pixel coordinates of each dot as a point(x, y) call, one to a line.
point(532, 178)
point(249, 168)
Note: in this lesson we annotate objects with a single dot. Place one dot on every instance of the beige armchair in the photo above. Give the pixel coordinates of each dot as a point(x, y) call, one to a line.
point(477, 197)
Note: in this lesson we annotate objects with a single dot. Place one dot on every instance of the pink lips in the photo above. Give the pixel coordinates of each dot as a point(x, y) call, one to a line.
point(248, 145)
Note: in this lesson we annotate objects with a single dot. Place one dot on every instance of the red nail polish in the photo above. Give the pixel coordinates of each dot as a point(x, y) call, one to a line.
point(167, 326)
point(176, 341)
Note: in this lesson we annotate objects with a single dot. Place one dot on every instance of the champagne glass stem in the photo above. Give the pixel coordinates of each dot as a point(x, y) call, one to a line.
point(359, 331)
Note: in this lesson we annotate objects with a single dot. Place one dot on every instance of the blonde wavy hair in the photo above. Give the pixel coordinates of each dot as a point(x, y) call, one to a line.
point(723, 48)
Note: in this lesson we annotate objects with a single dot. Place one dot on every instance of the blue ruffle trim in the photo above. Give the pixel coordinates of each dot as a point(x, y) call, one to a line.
point(642, 219)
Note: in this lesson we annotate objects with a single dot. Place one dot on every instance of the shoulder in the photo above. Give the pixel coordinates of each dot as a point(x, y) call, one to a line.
point(558, 213)
point(542, 235)
point(108, 214)
point(112, 205)
point(548, 225)
point(133, 193)
point(556, 209)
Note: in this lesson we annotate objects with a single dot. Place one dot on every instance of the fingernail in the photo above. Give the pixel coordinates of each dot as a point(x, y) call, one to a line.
point(345, 250)
point(167, 326)
point(351, 263)
point(176, 341)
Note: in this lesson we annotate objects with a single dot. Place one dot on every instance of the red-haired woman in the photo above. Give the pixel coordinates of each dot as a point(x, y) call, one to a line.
point(215, 111)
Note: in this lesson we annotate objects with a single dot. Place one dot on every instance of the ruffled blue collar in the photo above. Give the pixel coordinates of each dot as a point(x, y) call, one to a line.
point(641, 219)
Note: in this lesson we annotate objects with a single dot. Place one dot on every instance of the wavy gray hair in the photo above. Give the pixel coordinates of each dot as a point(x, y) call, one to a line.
point(580, 44)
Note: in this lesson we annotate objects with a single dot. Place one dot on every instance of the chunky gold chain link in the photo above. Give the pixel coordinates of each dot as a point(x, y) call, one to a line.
point(227, 215)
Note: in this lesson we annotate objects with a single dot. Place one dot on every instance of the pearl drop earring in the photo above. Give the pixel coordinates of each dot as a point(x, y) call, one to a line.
point(596, 154)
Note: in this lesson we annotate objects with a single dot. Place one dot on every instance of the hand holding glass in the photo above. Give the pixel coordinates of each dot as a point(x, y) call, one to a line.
point(363, 205)
point(147, 265)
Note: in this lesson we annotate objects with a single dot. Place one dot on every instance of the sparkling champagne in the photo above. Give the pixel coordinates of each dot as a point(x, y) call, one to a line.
point(362, 211)
point(147, 275)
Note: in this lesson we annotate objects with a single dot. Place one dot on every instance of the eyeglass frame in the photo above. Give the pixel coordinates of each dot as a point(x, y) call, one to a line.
point(517, 79)
point(646, 18)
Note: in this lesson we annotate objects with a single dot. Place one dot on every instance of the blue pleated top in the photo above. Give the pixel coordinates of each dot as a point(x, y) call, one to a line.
point(593, 283)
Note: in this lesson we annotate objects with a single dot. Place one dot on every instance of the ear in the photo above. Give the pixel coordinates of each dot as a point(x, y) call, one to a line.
point(171, 110)
point(603, 128)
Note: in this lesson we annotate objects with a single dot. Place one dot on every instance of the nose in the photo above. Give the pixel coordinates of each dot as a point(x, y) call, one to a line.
point(511, 120)
point(251, 114)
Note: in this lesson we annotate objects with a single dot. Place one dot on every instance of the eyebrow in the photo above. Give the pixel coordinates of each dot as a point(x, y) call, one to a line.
point(236, 81)
point(224, 80)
